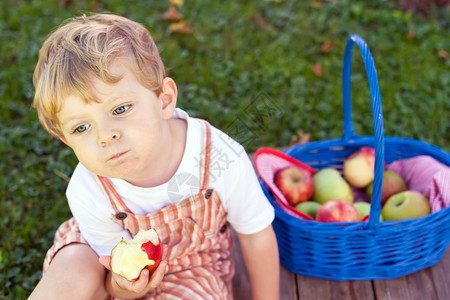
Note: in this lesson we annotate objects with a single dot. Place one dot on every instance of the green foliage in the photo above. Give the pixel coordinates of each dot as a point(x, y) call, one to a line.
point(241, 54)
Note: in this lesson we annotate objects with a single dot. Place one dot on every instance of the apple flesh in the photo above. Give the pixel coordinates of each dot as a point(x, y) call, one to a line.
point(393, 183)
point(406, 205)
point(295, 184)
point(329, 184)
point(337, 210)
point(308, 207)
point(359, 167)
point(129, 258)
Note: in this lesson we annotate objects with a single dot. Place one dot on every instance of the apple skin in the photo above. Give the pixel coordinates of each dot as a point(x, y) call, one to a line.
point(295, 184)
point(329, 184)
point(364, 210)
point(406, 205)
point(393, 183)
point(359, 167)
point(309, 207)
point(337, 210)
point(129, 258)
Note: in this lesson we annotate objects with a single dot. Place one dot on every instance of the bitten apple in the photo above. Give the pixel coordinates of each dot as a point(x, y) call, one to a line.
point(406, 205)
point(129, 258)
point(295, 184)
point(337, 210)
point(359, 167)
point(392, 184)
point(329, 184)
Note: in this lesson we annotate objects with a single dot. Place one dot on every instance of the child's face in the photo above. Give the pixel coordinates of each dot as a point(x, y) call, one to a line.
point(122, 134)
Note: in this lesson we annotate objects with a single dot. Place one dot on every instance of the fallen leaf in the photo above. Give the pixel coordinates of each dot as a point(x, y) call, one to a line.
point(261, 22)
point(317, 69)
point(95, 6)
point(316, 4)
point(181, 27)
point(66, 3)
point(443, 54)
point(277, 1)
point(300, 138)
point(327, 46)
point(411, 34)
point(172, 14)
point(178, 3)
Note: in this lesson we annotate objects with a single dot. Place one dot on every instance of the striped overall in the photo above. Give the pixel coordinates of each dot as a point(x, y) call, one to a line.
point(195, 230)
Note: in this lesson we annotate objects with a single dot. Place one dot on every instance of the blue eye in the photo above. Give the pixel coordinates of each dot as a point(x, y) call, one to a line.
point(121, 109)
point(81, 128)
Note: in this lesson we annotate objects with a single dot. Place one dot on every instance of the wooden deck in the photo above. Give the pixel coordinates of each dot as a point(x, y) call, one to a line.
point(428, 284)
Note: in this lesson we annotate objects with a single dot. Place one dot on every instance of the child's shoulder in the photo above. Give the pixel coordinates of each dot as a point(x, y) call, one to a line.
point(82, 179)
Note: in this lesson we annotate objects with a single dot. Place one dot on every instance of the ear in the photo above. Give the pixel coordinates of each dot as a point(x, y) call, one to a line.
point(168, 97)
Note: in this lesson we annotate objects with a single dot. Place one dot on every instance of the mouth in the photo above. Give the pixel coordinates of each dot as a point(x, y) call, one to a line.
point(117, 156)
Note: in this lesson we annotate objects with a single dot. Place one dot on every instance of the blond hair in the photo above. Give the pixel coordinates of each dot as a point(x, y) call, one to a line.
point(86, 46)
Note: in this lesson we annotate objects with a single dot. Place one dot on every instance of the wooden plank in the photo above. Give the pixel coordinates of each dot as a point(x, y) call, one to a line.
point(431, 283)
point(441, 276)
point(312, 288)
point(288, 285)
point(240, 281)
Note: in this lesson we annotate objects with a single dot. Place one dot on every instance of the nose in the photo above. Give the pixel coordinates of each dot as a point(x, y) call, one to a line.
point(106, 134)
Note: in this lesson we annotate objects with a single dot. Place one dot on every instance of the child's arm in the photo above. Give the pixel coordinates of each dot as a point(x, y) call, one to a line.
point(122, 288)
point(260, 252)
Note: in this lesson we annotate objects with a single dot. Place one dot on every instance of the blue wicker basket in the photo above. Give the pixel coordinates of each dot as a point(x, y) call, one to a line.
point(361, 250)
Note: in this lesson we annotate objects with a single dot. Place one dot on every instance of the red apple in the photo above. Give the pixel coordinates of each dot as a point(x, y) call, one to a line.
point(359, 167)
point(337, 210)
point(295, 184)
point(392, 184)
point(129, 258)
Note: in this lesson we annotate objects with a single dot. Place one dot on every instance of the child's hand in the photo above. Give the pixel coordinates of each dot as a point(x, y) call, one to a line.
point(119, 286)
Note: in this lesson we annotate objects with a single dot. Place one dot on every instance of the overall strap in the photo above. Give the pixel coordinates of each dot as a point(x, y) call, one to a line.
point(205, 154)
point(111, 193)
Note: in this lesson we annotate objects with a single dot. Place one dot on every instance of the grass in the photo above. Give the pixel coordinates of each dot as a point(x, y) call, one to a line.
point(240, 55)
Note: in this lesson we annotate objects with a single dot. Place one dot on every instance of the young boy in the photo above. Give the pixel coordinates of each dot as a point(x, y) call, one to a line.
point(101, 88)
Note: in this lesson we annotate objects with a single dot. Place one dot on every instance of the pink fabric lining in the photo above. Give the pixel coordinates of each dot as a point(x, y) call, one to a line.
point(427, 176)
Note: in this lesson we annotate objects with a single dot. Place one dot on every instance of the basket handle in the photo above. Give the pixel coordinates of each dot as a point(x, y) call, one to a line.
point(375, 208)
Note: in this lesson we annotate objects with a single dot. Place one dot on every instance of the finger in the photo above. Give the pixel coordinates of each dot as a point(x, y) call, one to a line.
point(105, 261)
point(127, 285)
point(140, 284)
point(158, 275)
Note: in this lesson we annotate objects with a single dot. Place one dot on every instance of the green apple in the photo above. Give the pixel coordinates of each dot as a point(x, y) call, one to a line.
point(329, 184)
point(359, 167)
point(364, 210)
point(406, 205)
point(392, 184)
point(309, 207)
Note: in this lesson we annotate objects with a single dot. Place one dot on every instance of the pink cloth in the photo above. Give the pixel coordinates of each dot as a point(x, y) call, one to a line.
point(427, 176)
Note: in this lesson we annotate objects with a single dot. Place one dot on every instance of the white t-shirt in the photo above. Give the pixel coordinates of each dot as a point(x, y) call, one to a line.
point(231, 175)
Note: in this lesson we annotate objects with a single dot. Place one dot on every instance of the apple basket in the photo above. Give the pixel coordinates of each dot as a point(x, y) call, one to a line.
point(360, 250)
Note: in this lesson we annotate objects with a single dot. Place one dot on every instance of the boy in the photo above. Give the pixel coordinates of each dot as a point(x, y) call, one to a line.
point(101, 88)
